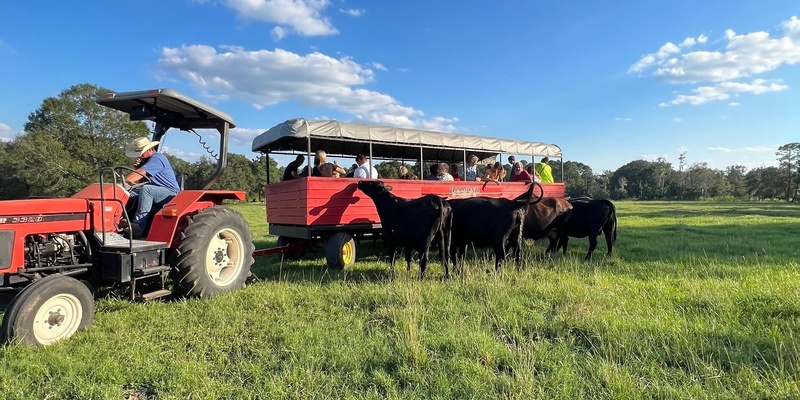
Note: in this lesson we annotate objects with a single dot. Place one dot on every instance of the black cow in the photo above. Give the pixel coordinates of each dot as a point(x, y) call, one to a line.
point(587, 218)
point(488, 222)
point(411, 224)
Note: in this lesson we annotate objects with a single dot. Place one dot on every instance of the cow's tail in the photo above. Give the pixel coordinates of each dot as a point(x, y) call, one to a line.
point(613, 219)
point(529, 193)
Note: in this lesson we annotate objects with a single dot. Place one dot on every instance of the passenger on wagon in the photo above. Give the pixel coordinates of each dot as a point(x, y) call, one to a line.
point(442, 174)
point(404, 173)
point(292, 170)
point(544, 170)
point(434, 170)
point(352, 172)
point(323, 168)
point(519, 174)
point(495, 173)
point(532, 170)
point(470, 171)
point(365, 169)
point(511, 161)
point(454, 171)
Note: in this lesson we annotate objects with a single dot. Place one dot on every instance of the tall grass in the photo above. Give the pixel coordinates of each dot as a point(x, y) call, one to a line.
point(699, 300)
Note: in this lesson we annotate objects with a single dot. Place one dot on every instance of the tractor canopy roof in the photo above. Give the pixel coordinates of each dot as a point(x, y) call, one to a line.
point(167, 107)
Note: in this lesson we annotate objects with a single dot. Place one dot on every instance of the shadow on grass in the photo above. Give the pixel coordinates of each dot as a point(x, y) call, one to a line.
point(372, 265)
point(721, 251)
point(681, 210)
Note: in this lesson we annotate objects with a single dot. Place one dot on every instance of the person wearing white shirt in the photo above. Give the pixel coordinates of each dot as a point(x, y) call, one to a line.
point(364, 170)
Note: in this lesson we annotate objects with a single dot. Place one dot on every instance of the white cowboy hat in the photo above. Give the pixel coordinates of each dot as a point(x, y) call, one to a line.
point(139, 146)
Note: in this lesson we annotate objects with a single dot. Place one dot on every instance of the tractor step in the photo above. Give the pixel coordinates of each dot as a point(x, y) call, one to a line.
point(149, 271)
point(154, 295)
point(113, 240)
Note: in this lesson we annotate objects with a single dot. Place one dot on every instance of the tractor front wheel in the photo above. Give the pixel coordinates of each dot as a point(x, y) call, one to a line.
point(50, 309)
point(340, 252)
point(214, 255)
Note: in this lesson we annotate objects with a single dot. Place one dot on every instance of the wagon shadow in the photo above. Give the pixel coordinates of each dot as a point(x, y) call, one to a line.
point(372, 265)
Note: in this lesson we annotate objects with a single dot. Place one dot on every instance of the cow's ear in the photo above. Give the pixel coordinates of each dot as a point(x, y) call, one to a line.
point(388, 188)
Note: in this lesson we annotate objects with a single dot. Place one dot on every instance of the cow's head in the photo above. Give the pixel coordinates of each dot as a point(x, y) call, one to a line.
point(373, 188)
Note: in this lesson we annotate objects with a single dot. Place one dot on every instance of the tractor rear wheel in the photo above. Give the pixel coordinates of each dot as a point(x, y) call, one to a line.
point(214, 255)
point(50, 309)
point(340, 252)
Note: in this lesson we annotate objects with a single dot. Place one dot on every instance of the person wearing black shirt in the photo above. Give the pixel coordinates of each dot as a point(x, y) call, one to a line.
point(291, 171)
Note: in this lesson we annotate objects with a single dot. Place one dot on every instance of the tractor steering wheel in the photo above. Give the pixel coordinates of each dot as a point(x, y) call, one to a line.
point(123, 171)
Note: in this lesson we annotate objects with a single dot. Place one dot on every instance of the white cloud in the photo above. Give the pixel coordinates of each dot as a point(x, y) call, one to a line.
point(6, 134)
point(184, 155)
point(682, 149)
point(724, 91)
point(303, 17)
point(761, 149)
point(747, 149)
point(741, 56)
point(245, 136)
point(353, 12)
point(265, 78)
point(744, 56)
point(733, 104)
point(379, 66)
point(677, 119)
point(623, 119)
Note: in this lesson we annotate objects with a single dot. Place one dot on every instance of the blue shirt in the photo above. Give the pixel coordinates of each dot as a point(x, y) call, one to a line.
point(160, 172)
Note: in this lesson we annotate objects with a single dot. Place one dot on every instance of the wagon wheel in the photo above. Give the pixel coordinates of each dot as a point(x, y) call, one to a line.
point(340, 252)
point(215, 253)
point(50, 309)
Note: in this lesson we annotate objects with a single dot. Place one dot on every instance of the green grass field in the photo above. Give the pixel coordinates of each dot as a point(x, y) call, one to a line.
point(699, 300)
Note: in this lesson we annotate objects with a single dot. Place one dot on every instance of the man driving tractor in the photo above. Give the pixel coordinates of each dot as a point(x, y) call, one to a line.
point(162, 184)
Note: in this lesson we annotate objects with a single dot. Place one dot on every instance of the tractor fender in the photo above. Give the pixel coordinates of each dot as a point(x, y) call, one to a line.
point(168, 220)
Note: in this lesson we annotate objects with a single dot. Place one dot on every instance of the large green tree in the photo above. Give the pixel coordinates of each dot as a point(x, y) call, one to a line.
point(789, 159)
point(735, 175)
point(68, 139)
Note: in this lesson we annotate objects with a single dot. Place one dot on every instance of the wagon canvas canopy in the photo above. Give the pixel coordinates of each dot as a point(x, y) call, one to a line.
point(345, 138)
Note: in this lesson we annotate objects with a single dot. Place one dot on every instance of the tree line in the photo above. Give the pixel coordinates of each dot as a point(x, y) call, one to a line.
point(70, 137)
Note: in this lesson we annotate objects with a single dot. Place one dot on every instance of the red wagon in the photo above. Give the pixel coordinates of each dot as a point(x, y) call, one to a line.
point(332, 210)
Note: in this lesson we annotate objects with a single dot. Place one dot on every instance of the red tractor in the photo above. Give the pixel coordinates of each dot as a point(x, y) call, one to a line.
point(56, 249)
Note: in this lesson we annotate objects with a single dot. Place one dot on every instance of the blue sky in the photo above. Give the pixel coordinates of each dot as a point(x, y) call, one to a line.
point(609, 82)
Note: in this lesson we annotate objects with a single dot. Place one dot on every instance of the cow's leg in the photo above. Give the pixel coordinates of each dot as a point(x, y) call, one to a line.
point(608, 232)
point(563, 241)
point(423, 261)
point(443, 254)
point(408, 258)
point(392, 258)
point(499, 253)
point(592, 246)
point(552, 238)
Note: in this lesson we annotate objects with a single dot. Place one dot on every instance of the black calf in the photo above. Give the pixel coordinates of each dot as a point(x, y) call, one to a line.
point(587, 218)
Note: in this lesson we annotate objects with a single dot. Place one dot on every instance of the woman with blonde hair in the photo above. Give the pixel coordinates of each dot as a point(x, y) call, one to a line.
point(495, 173)
point(323, 168)
point(470, 171)
point(405, 174)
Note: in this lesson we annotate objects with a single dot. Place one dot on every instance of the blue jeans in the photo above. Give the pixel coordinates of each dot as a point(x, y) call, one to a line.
point(148, 196)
